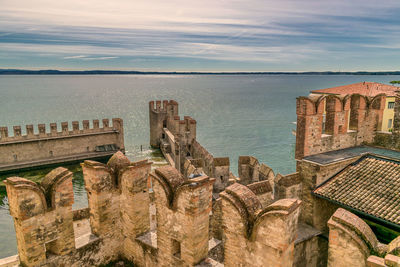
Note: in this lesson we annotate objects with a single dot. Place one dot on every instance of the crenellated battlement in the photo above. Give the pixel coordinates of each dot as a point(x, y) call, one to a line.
point(160, 116)
point(258, 229)
point(188, 202)
point(43, 216)
point(360, 242)
point(121, 208)
point(60, 143)
point(55, 190)
point(250, 171)
point(315, 104)
point(109, 184)
point(58, 130)
point(182, 128)
point(173, 135)
point(163, 106)
point(174, 184)
point(330, 122)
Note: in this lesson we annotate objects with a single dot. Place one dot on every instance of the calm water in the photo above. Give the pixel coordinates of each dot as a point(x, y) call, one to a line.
point(236, 115)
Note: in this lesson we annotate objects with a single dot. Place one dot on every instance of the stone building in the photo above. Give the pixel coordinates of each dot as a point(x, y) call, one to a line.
point(347, 163)
point(367, 89)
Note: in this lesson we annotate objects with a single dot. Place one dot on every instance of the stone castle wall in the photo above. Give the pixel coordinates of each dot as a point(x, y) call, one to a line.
point(54, 146)
point(48, 230)
point(326, 123)
point(254, 222)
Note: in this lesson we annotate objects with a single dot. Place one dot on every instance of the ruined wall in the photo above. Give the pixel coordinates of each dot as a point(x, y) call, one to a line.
point(349, 121)
point(255, 236)
point(64, 144)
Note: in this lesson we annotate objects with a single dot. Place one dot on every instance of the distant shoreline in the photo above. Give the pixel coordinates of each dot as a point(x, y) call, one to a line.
point(120, 72)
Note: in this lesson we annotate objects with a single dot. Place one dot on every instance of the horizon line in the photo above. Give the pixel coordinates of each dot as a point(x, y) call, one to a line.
point(110, 72)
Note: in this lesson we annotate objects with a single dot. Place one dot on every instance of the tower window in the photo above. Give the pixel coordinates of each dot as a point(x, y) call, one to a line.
point(390, 105)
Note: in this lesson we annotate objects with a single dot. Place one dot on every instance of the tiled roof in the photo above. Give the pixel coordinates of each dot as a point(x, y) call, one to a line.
point(363, 88)
point(370, 185)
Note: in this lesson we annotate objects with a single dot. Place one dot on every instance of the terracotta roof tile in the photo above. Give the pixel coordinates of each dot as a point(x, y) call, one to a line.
point(363, 88)
point(370, 185)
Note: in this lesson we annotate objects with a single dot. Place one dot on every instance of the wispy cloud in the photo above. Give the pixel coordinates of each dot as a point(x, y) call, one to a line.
point(74, 57)
point(98, 58)
point(178, 34)
point(82, 57)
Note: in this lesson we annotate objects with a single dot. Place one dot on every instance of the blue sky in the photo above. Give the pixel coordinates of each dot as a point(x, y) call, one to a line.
point(207, 35)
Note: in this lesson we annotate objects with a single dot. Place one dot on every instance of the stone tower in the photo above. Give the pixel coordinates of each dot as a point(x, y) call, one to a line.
point(159, 115)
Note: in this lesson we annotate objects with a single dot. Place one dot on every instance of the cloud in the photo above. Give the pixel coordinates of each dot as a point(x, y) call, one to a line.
point(98, 58)
point(264, 32)
point(82, 57)
point(74, 57)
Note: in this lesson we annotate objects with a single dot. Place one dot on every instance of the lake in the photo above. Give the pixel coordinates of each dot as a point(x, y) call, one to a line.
point(236, 114)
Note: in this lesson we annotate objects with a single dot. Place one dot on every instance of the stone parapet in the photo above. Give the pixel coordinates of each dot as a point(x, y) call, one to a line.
point(64, 132)
point(251, 231)
point(351, 240)
point(46, 148)
point(43, 217)
point(183, 207)
point(330, 122)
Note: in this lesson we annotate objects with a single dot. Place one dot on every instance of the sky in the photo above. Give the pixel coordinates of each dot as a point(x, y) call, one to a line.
point(205, 35)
